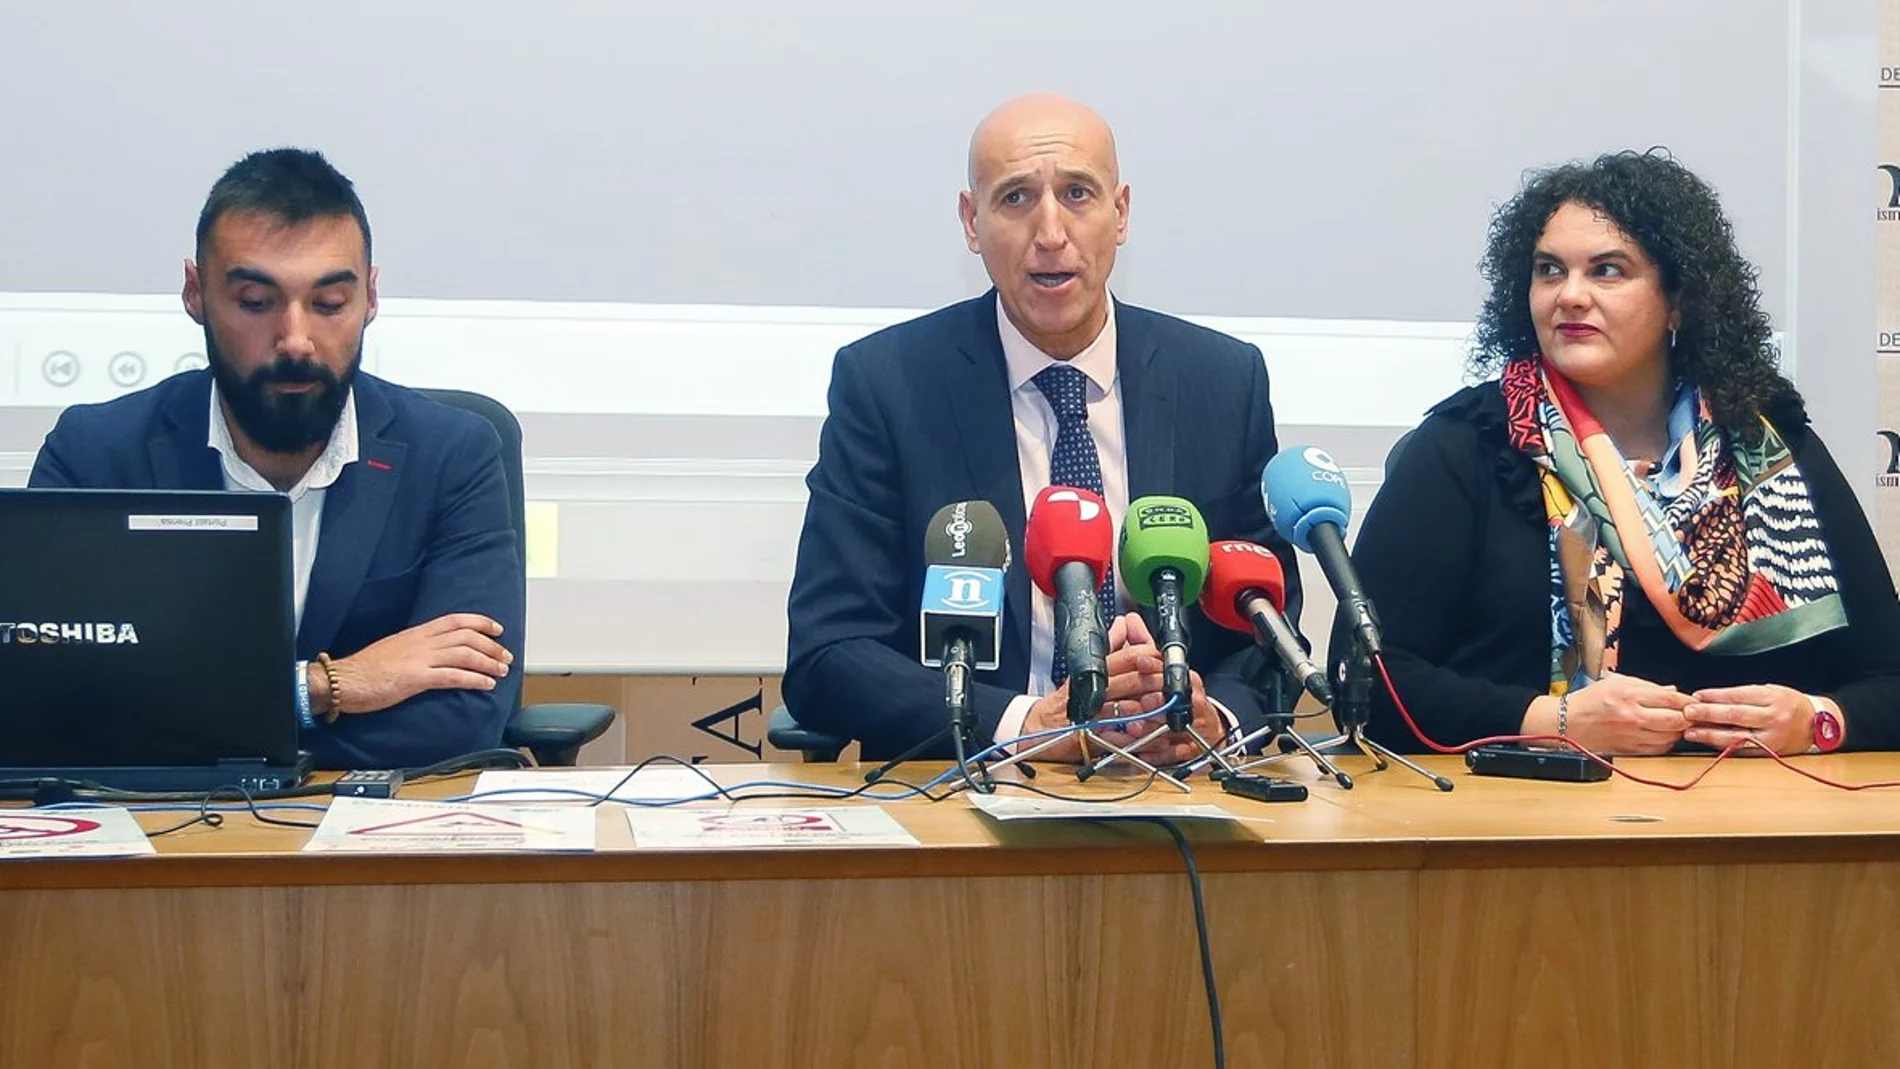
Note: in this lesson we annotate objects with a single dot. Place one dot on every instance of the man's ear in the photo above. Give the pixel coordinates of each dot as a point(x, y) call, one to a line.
point(193, 294)
point(370, 292)
point(966, 211)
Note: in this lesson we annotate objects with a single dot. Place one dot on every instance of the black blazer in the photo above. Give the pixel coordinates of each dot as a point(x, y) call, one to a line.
point(1455, 553)
point(920, 417)
point(418, 527)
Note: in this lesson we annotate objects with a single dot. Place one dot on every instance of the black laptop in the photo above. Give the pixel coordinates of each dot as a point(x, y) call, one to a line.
point(147, 640)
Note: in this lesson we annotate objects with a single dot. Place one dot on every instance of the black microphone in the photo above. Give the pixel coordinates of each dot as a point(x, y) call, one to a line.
point(966, 551)
point(1308, 502)
point(1287, 647)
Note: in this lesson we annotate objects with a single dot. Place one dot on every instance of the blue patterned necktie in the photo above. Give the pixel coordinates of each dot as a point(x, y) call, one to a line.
point(1074, 462)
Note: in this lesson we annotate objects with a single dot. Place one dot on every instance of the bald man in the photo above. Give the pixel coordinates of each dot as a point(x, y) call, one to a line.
point(963, 404)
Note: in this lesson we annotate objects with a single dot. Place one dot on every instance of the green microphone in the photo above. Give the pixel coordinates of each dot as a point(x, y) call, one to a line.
point(1163, 560)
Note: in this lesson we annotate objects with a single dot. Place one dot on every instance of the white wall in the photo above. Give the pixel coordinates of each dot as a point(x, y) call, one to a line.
point(1326, 160)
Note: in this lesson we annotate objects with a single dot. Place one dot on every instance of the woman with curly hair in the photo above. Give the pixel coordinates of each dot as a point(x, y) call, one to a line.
point(1630, 536)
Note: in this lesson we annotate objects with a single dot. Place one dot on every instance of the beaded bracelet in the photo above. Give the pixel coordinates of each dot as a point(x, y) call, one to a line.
point(336, 688)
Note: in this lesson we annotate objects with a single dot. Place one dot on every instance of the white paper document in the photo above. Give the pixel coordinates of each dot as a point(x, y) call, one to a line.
point(661, 783)
point(746, 826)
point(998, 807)
point(390, 825)
point(104, 832)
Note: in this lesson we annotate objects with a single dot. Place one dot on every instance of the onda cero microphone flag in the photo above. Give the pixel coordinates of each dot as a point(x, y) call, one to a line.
point(1164, 562)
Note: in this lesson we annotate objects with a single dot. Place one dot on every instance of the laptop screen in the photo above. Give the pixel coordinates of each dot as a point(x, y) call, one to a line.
point(145, 628)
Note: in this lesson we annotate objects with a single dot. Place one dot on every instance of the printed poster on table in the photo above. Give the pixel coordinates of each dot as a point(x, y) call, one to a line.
point(75, 832)
point(387, 826)
point(746, 826)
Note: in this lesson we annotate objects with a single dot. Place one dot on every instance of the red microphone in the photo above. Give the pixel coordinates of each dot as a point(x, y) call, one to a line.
point(1067, 526)
point(1246, 589)
point(1238, 572)
point(1067, 547)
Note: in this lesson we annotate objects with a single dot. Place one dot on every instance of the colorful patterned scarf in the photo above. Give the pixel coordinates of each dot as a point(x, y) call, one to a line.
point(1725, 545)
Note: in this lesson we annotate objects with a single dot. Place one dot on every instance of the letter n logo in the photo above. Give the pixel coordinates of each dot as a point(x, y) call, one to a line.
point(965, 590)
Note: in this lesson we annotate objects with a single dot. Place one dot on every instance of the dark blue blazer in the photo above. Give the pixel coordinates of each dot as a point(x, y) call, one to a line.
point(919, 416)
point(418, 527)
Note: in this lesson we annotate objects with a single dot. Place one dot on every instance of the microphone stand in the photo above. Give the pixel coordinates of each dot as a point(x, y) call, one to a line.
point(1270, 680)
point(1085, 701)
point(956, 698)
point(1354, 709)
point(1176, 684)
point(1088, 687)
point(962, 725)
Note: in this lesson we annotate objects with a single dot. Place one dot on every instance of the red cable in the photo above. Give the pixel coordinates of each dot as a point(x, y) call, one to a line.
point(1565, 740)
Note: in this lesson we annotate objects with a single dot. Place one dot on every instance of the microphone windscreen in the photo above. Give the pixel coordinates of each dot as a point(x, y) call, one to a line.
point(1304, 488)
point(1233, 569)
point(1067, 525)
point(967, 533)
point(1163, 532)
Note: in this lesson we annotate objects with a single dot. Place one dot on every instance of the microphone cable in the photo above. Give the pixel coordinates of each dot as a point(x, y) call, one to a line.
point(1200, 926)
point(1591, 755)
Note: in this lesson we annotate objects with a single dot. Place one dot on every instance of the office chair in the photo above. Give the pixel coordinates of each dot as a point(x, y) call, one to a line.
point(553, 732)
point(785, 732)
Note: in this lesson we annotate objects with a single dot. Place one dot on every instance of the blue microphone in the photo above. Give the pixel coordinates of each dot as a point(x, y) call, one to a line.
point(1309, 505)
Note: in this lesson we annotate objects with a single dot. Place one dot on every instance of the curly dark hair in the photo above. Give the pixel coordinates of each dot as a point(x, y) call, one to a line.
point(1724, 345)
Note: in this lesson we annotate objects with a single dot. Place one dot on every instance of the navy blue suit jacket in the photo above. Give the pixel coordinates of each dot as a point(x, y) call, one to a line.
point(418, 527)
point(919, 416)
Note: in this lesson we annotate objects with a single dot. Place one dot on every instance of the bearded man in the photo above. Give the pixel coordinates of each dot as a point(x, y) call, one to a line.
point(408, 587)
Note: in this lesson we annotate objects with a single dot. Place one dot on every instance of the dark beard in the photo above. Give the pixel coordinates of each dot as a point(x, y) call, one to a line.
point(283, 423)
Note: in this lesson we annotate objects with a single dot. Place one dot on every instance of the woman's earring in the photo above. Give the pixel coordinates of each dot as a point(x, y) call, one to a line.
point(1672, 337)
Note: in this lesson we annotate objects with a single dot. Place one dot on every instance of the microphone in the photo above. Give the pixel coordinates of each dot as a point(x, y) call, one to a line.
point(1246, 591)
point(966, 550)
point(1067, 546)
point(1164, 563)
point(1308, 502)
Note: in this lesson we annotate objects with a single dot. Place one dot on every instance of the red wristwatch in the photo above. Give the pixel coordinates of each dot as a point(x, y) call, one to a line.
point(1827, 730)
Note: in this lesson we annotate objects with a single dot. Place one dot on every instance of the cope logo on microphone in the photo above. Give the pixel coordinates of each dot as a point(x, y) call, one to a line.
point(1325, 468)
point(1152, 516)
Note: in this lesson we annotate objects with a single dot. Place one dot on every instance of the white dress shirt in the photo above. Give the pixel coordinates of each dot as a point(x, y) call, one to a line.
point(306, 498)
point(1036, 429)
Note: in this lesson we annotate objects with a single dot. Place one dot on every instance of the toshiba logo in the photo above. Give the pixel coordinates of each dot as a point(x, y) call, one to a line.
point(97, 634)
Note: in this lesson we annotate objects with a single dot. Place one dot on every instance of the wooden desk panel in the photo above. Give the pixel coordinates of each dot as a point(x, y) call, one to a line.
point(1084, 971)
point(1722, 967)
point(137, 979)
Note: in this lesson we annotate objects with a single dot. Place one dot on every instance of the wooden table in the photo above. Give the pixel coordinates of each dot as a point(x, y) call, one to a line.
point(1750, 922)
